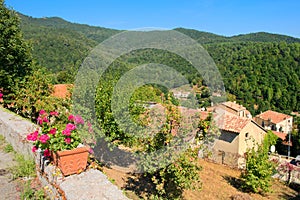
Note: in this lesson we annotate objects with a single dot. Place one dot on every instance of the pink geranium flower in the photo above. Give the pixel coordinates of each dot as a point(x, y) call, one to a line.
point(44, 138)
point(91, 151)
point(71, 127)
point(34, 148)
point(33, 136)
point(40, 120)
point(52, 131)
point(66, 132)
point(45, 119)
point(68, 140)
point(78, 119)
point(54, 113)
point(47, 153)
point(42, 112)
point(71, 118)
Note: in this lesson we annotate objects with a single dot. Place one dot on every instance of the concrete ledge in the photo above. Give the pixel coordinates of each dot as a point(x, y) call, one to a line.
point(91, 184)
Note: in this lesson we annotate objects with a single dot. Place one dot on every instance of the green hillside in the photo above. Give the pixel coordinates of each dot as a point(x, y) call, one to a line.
point(264, 37)
point(261, 70)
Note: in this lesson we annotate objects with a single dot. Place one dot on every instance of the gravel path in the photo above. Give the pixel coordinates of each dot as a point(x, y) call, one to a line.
point(8, 187)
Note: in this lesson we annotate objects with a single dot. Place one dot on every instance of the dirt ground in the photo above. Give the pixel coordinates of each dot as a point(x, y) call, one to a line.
point(219, 182)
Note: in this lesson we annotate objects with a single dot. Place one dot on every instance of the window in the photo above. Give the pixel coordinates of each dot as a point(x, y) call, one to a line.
point(247, 135)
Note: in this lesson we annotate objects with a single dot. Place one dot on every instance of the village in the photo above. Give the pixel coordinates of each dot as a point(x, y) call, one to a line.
point(93, 109)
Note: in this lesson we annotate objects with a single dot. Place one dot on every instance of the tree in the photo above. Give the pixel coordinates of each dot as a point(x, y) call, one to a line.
point(257, 175)
point(15, 56)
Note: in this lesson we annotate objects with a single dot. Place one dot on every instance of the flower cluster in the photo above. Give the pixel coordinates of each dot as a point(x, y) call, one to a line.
point(1, 97)
point(56, 136)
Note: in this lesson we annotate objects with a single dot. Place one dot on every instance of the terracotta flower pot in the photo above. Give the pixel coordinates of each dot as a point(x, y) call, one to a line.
point(71, 161)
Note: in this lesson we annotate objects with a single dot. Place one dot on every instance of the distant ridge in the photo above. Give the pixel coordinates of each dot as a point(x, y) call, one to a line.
point(206, 37)
point(100, 33)
point(260, 70)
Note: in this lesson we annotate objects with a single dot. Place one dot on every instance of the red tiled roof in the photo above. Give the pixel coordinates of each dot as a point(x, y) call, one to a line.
point(193, 112)
point(232, 123)
point(280, 134)
point(61, 90)
point(284, 137)
point(234, 106)
point(275, 117)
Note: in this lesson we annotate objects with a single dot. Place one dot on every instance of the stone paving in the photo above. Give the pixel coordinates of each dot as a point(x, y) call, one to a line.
point(8, 187)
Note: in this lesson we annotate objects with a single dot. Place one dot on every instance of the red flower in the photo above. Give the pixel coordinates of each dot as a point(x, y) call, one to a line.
point(47, 153)
point(33, 136)
point(40, 120)
point(45, 119)
point(70, 127)
point(68, 140)
point(34, 148)
point(52, 131)
point(71, 118)
point(66, 132)
point(42, 112)
point(44, 138)
point(54, 113)
point(78, 119)
point(91, 151)
point(1, 95)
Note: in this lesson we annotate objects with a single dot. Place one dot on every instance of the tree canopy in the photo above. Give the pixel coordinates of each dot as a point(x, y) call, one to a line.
point(15, 55)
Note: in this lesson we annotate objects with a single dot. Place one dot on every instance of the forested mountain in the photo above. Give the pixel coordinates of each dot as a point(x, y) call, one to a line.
point(94, 33)
point(261, 75)
point(61, 46)
point(205, 37)
point(260, 69)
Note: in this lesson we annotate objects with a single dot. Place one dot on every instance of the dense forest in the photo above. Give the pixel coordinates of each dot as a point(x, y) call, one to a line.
point(260, 70)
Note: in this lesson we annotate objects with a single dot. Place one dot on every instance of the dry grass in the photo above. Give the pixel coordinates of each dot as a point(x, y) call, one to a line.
point(219, 182)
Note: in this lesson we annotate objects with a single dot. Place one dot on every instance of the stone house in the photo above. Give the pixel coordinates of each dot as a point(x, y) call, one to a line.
point(275, 121)
point(235, 108)
point(237, 135)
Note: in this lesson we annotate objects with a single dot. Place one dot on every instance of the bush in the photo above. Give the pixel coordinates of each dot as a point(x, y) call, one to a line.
point(24, 168)
point(181, 174)
point(257, 175)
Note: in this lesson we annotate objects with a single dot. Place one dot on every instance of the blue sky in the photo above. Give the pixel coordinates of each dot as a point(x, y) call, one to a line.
point(224, 17)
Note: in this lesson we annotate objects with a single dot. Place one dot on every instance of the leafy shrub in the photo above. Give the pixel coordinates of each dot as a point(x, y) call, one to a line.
point(183, 173)
point(24, 168)
point(8, 148)
point(29, 193)
point(257, 175)
point(35, 94)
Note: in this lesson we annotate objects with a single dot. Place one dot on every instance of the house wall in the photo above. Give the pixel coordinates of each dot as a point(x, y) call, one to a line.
point(250, 136)
point(230, 147)
point(286, 125)
point(225, 150)
point(241, 113)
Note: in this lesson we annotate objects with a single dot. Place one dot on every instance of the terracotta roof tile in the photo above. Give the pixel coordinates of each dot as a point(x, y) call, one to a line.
point(193, 112)
point(284, 137)
point(232, 123)
point(234, 106)
point(275, 117)
point(280, 134)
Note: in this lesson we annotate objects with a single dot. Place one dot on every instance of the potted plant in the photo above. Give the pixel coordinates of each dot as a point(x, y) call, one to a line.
point(61, 138)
